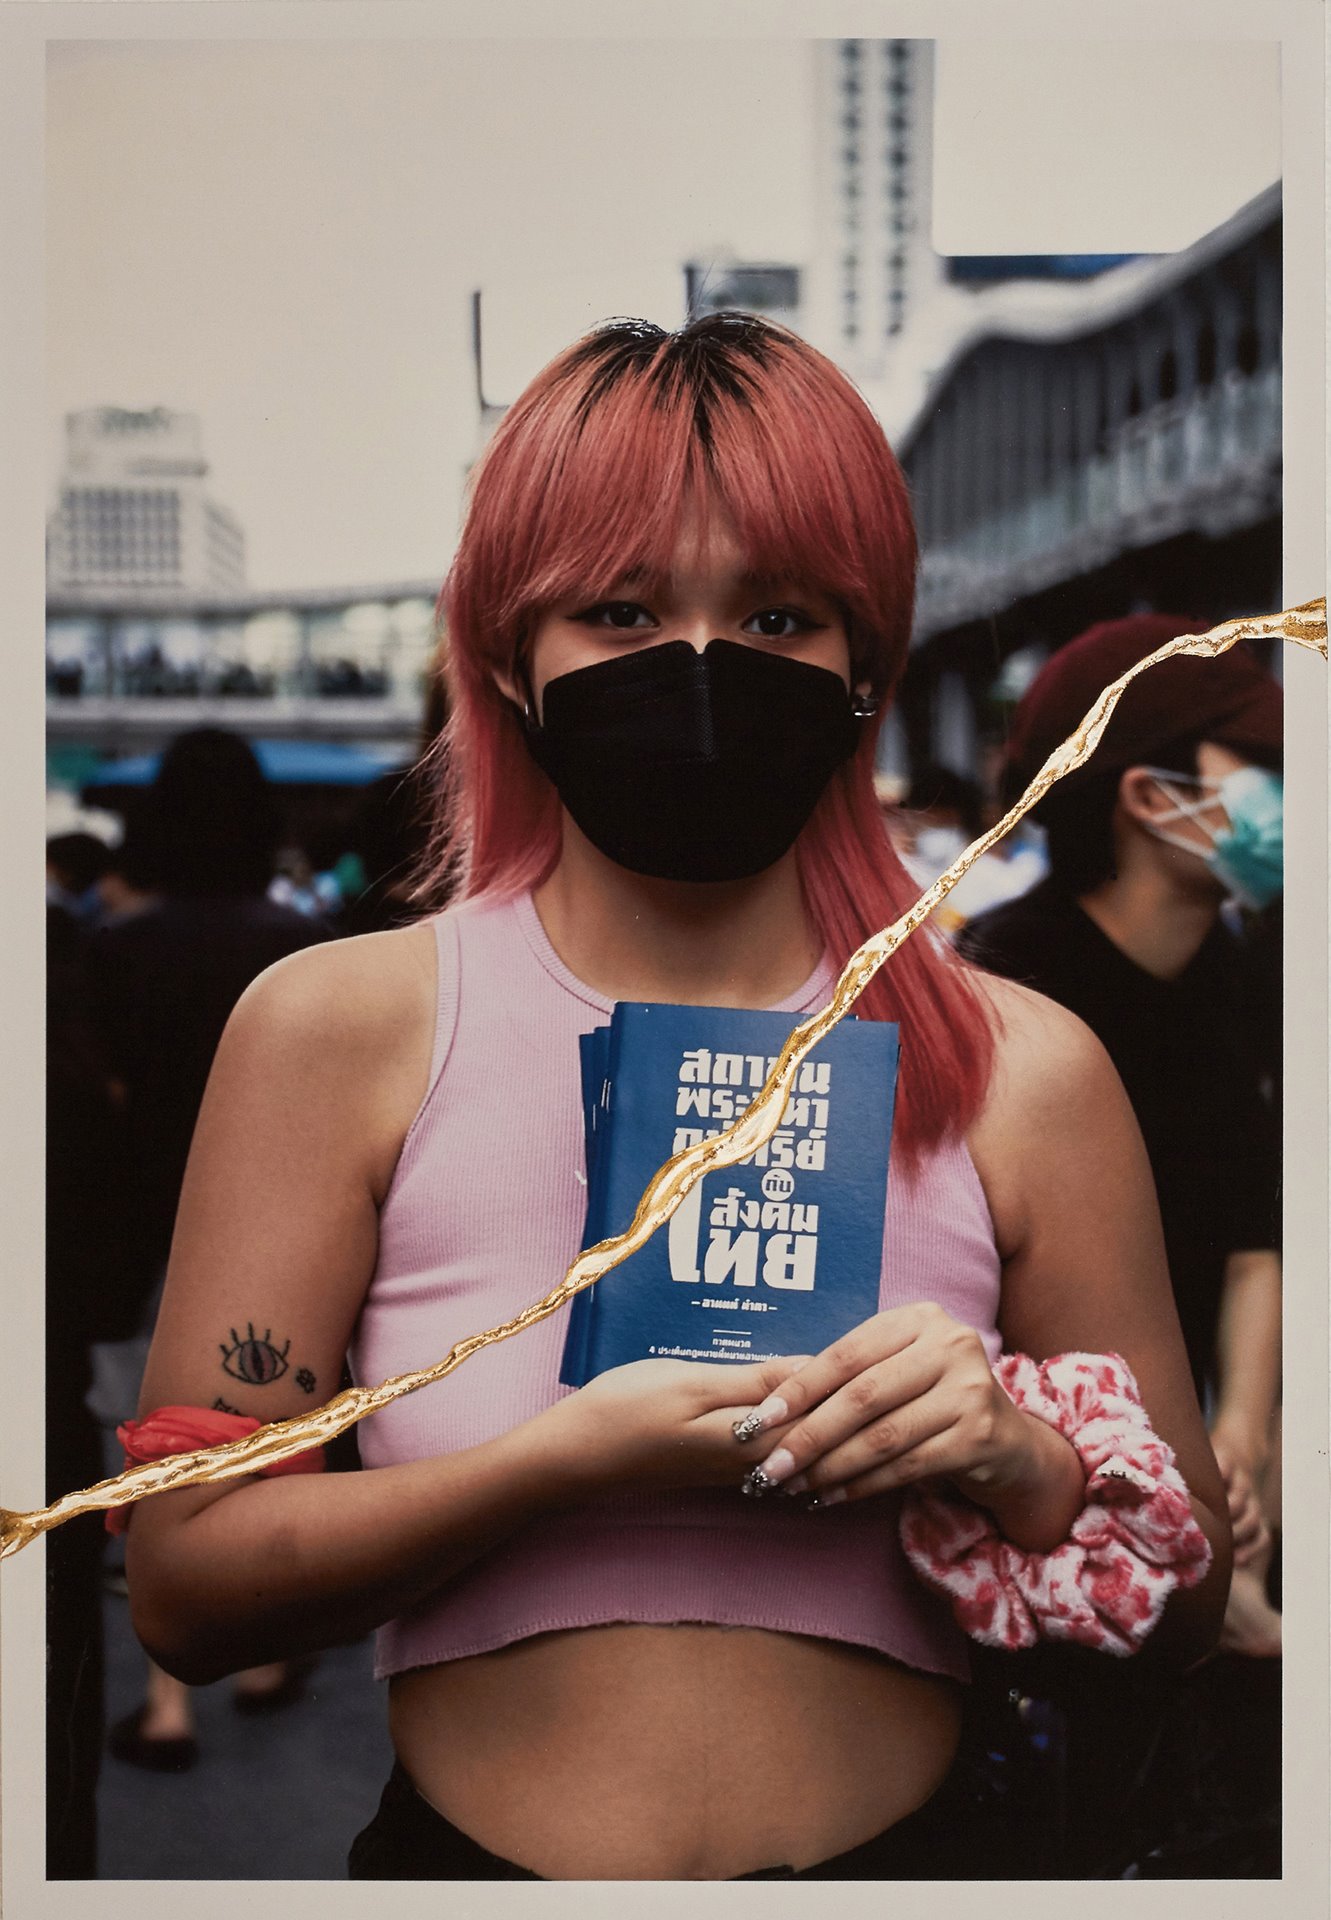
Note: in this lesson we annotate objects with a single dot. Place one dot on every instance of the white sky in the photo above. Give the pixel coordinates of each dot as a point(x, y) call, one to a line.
point(283, 238)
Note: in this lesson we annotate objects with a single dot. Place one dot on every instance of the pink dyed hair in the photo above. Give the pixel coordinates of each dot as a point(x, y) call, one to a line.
point(588, 476)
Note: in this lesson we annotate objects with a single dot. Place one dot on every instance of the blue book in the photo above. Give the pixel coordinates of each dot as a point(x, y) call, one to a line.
point(778, 1255)
point(593, 1059)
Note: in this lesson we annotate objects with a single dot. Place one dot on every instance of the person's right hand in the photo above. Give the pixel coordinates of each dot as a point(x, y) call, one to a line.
point(664, 1423)
point(1247, 1523)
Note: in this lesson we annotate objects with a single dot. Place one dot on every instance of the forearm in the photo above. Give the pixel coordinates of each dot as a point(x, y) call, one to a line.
point(1189, 1627)
point(1248, 1355)
point(288, 1565)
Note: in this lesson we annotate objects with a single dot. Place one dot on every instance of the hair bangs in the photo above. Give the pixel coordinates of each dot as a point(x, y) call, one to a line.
point(589, 483)
point(814, 493)
point(615, 507)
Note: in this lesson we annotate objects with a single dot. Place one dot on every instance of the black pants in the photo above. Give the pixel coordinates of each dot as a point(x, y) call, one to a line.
point(74, 1650)
point(408, 1840)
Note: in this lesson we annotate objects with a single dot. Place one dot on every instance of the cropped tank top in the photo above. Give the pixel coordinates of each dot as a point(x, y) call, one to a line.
point(483, 1215)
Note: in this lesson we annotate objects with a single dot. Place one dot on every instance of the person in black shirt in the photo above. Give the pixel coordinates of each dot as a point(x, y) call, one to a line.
point(1178, 811)
point(165, 981)
point(87, 1300)
point(1183, 1050)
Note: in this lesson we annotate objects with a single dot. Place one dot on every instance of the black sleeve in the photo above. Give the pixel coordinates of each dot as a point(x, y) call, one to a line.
point(998, 943)
point(1250, 1103)
point(1254, 1220)
point(96, 1285)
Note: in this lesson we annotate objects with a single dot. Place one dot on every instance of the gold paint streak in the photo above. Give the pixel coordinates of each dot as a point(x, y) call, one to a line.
point(1304, 625)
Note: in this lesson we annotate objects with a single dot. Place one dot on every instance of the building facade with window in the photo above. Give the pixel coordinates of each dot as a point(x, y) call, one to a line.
point(873, 262)
point(134, 512)
point(1085, 452)
point(126, 671)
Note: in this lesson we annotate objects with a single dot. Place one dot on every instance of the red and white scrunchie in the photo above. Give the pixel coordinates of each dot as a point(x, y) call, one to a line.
point(1134, 1541)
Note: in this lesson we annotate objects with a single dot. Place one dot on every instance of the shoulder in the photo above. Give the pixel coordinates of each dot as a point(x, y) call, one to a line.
point(344, 994)
point(331, 1047)
point(1047, 1061)
point(1054, 1104)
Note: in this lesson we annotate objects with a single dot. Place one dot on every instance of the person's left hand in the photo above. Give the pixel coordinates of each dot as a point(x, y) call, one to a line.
point(902, 1397)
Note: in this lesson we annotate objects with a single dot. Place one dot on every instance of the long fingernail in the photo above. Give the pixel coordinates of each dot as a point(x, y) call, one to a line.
point(828, 1499)
point(770, 1414)
point(778, 1466)
point(756, 1483)
point(799, 1484)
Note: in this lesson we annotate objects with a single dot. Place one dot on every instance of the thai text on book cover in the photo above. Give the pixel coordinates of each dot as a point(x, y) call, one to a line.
point(776, 1256)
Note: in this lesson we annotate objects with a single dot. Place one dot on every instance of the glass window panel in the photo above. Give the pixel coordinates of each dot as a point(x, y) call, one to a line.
point(272, 641)
point(75, 658)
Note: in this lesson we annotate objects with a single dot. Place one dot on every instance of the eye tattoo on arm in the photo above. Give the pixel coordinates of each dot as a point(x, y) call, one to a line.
point(254, 1359)
point(224, 1406)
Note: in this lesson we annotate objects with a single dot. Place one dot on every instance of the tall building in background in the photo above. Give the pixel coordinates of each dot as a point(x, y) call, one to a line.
point(879, 300)
point(873, 261)
point(1084, 434)
point(133, 509)
point(770, 288)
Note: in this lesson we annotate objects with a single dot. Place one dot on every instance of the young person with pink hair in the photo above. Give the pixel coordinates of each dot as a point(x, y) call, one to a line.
point(681, 600)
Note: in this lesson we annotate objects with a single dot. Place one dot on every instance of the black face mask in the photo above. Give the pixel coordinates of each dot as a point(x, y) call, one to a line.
point(693, 766)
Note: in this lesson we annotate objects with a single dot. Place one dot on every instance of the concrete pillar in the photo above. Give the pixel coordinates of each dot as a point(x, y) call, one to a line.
point(944, 478)
point(955, 737)
point(304, 675)
point(892, 756)
point(1268, 306)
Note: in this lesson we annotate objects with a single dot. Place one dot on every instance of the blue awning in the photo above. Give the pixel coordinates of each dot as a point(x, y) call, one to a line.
point(287, 763)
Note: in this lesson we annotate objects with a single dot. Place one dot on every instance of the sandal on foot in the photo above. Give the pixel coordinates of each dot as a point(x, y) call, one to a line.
point(128, 1742)
point(272, 1699)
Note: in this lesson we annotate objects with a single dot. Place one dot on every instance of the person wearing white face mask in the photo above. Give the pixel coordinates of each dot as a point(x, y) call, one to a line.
point(939, 816)
point(1177, 818)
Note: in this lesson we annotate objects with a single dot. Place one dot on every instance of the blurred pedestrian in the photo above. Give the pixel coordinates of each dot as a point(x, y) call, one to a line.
point(388, 839)
point(89, 1297)
point(75, 865)
point(937, 818)
point(941, 813)
point(1178, 813)
point(166, 980)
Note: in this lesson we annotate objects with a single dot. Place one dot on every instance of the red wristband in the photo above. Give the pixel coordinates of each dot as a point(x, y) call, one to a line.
point(170, 1430)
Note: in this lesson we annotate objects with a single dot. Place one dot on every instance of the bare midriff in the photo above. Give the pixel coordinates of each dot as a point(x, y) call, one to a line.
point(673, 1753)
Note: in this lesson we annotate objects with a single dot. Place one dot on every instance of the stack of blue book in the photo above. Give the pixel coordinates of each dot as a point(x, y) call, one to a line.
point(779, 1255)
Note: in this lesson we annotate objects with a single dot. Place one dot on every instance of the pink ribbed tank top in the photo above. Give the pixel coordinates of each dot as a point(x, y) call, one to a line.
point(484, 1214)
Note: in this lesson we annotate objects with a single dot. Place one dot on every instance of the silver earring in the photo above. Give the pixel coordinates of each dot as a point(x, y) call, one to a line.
point(863, 706)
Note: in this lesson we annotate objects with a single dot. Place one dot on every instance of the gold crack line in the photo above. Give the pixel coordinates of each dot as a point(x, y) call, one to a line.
point(1304, 625)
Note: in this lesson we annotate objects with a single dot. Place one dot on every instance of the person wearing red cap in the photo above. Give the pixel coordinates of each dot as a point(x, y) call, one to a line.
point(1178, 812)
